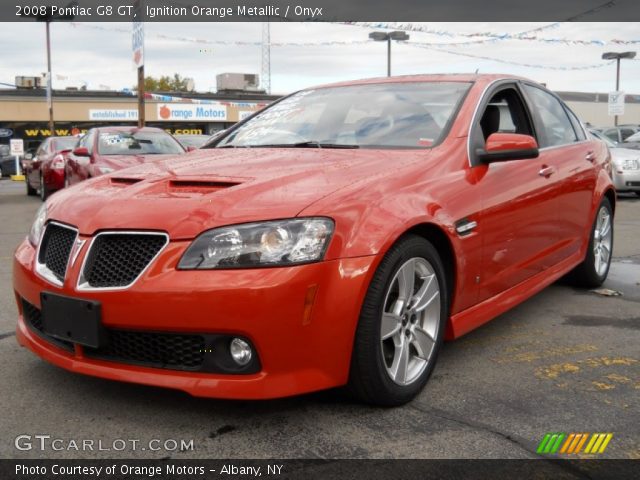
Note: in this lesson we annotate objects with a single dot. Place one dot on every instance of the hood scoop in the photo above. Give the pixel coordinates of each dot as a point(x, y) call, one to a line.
point(201, 187)
point(124, 181)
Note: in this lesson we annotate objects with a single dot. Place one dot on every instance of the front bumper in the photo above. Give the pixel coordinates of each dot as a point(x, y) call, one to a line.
point(301, 347)
point(627, 181)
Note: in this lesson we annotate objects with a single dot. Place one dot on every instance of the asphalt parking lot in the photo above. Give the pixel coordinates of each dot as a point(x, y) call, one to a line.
point(564, 361)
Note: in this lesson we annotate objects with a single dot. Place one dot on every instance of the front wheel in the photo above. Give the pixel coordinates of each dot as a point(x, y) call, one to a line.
point(401, 325)
point(593, 271)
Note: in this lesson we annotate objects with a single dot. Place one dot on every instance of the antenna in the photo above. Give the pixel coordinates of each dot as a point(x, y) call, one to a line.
point(266, 57)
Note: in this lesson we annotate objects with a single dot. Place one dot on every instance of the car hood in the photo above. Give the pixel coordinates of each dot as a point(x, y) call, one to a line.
point(621, 153)
point(208, 188)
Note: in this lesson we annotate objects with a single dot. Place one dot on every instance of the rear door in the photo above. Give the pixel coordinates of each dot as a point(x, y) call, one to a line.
point(519, 197)
point(564, 144)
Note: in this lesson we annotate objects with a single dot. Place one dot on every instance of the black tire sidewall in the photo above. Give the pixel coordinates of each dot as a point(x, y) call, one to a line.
point(376, 386)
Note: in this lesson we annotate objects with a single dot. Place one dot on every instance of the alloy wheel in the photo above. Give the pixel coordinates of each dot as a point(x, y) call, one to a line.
point(602, 240)
point(410, 321)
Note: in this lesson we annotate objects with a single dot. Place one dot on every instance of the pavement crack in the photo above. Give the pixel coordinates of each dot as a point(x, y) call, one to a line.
point(514, 439)
point(6, 335)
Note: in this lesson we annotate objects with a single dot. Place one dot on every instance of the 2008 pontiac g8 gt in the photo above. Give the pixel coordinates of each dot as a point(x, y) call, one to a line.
point(335, 238)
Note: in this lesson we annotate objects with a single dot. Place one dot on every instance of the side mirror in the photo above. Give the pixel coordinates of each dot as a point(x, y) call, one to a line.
point(81, 152)
point(191, 148)
point(502, 147)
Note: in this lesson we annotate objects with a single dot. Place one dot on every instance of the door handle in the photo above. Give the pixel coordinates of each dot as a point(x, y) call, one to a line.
point(546, 171)
point(590, 156)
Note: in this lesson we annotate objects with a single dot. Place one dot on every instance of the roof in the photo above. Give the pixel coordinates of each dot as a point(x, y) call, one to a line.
point(440, 77)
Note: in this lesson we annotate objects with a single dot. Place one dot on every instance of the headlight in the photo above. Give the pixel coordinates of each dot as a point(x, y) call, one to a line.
point(629, 164)
point(38, 224)
point(105, 170)
point(280, 242)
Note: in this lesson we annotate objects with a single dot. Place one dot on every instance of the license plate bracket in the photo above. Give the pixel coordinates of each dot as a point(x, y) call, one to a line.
point(73, 319)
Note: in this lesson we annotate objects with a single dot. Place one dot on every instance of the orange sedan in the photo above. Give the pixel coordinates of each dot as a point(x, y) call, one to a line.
point(335, 238)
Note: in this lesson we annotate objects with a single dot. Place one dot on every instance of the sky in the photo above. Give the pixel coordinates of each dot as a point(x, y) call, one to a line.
point(99, 54)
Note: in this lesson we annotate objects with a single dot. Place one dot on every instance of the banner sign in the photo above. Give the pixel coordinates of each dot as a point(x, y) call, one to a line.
point(113, 115)
point(137, 37)
point(187, 112)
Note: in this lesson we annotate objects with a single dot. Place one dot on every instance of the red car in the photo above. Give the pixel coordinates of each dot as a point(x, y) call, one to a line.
point(44, 173)
point(107, 149)
point(335, 238)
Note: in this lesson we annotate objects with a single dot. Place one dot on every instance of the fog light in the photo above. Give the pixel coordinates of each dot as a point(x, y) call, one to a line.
point(240, 351)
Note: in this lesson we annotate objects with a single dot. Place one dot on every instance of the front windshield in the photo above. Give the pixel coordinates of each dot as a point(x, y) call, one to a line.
point(633, 138)
point(137, 143)
point(385, 115)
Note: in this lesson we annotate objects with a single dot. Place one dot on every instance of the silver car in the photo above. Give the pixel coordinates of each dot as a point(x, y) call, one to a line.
point(626, 165)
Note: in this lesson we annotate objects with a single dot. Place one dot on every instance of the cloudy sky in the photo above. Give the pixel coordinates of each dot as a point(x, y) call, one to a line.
point(99, 54)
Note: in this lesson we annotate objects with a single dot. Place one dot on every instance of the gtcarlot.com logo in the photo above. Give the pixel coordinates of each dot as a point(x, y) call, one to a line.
point(574, 443)
point(47, 442)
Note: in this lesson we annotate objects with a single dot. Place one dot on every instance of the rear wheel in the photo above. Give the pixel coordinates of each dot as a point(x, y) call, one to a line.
point(593, 271)
point(401, 325)
point(44, 191)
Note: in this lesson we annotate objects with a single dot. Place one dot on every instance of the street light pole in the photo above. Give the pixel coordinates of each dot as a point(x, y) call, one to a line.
point(617, 56)
point(387, 37)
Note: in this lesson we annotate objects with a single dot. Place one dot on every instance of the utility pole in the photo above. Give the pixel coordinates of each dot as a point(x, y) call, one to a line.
point(137, 39)
point(49, 80)
point(266, 57)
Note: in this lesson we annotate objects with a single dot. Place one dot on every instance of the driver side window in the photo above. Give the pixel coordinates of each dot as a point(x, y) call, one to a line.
point(505, 113)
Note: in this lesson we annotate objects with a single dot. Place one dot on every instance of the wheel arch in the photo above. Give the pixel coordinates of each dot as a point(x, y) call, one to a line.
point(610, 195)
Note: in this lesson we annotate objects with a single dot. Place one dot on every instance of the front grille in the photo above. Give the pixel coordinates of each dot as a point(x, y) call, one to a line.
point(117, 259)
point(163, 350)
point(55, 249)
point(633, 184)
point(173, 351)
point(33, 319)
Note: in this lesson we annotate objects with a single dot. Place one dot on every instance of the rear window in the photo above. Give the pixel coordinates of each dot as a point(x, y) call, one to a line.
point(137, 143)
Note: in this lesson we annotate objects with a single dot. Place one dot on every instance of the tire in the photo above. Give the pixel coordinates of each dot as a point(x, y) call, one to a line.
point(44, 191)
point(591, 273)
point(372, 377)
point(30, 190)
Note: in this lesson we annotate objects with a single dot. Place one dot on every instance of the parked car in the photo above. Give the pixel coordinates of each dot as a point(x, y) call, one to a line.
point(7, 162)
point(107, 149)
point(335, 238)
point(632, 142)
point(621, 133)
point(626, 165)
point(44, 172)
point(192, 142)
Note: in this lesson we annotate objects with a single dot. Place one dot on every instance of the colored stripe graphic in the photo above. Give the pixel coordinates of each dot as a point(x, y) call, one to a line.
point(572, 443)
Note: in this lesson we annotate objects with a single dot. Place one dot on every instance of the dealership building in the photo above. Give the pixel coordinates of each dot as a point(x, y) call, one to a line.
point(24, 113)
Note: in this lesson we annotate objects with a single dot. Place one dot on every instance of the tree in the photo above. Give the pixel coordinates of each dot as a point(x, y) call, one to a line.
point(165, 83)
